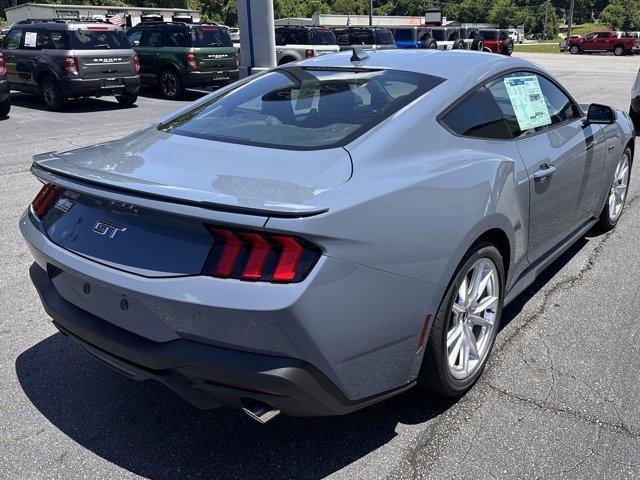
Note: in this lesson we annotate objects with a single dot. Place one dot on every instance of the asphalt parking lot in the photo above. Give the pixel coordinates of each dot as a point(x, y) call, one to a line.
point(559, 398)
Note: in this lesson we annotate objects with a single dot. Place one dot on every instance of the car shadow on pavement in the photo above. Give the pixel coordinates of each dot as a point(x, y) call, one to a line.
point(147, 430)
point(187, 96)
point(80, 105)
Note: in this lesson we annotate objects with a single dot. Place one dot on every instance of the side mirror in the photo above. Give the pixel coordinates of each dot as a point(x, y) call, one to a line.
point(136, 43)
point(600, 114)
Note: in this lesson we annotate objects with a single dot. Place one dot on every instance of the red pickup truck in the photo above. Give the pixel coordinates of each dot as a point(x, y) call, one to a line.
point(603, 42)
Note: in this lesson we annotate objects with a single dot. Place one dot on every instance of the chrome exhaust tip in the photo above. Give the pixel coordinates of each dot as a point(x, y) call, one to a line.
point(260, 412)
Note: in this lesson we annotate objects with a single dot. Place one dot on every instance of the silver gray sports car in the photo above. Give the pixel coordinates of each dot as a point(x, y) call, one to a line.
point(327, 234)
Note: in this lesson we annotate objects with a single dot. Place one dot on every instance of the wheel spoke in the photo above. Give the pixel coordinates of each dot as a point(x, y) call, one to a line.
point(484, 304)
point(482, 321)
point(455, 351)
point(464, 352)
point(472, 343)
point(476, 280)
point(463, 292)
point(453, 335)
point(458, 309)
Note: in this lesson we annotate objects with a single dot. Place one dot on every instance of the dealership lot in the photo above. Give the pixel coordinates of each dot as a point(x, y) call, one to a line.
point(559, 399)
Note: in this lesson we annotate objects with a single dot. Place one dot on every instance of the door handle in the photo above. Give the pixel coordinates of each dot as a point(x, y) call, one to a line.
point(543, 173)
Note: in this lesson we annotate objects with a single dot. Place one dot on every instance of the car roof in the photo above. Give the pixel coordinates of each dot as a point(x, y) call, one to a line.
point(66, 25)
point(445, 64)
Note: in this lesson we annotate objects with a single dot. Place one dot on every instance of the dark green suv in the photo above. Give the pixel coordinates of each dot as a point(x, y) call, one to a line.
point(176, 55)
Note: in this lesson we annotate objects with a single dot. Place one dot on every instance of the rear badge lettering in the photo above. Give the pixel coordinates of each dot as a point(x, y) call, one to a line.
point(106, 60)
point(105, 228)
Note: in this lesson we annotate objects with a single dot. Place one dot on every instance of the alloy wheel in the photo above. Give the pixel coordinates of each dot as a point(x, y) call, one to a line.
point(472, 319)
point(619, 187)
point(169, 84)
point(48, 94)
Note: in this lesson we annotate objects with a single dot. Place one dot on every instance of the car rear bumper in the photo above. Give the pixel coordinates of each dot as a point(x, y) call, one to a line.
point(204, 79)
point(205, 375)
point(360, 327)
point(80, 87)
point(4, 90)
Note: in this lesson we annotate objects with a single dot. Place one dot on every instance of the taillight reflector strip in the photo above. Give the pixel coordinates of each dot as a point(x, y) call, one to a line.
point(259, 253)
point(259, 256)
point(230, 252)
point(45, 198)
point(289, 259)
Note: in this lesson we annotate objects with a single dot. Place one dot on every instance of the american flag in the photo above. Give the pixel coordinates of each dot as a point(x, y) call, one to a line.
point(118, 19)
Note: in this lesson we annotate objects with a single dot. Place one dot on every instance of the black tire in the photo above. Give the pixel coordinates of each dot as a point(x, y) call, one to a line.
point(5, 107)
point(128, 99)
point(170, 84)
point(618, 51)
point(458, 44)
point(50, 93)
point(507, 47)
point(478, 44)
point(432, 44)
point(435, 376)
point(574, 49)
point(605, 222)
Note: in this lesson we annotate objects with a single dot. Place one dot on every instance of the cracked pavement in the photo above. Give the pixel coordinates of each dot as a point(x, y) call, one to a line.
point(559, 398)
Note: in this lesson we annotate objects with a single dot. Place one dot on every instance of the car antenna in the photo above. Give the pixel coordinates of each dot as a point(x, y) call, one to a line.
point(358, 54)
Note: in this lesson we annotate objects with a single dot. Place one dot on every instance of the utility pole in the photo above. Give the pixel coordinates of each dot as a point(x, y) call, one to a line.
point(546, 14)
point(570, 22)
point(371, 13)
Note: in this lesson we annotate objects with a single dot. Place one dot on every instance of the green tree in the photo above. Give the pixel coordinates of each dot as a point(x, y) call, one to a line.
point(505, 13)
point(621, 15)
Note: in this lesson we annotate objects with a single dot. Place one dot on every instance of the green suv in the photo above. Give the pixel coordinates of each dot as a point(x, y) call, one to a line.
point(176, 55)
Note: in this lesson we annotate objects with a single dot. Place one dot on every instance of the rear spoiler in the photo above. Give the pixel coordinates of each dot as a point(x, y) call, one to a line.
point(68, 179)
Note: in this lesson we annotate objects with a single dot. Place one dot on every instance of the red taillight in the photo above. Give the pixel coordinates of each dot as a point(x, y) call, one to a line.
point(308, 53)
point(230, 252)
point(48, 194)
point(289, 259)
point(192, 61)
point(3, 67)
point(71, 65)
point(136, 64)
point(259, 256)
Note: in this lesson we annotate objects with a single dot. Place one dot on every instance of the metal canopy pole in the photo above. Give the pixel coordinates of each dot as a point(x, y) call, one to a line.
point(257, 36)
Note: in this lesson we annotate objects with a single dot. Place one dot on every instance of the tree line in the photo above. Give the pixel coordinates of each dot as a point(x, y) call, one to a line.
point(616, 14)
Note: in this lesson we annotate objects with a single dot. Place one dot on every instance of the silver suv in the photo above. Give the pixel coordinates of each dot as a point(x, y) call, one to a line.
point(62, 59)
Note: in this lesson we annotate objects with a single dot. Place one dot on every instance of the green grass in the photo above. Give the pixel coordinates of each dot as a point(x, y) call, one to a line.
point(537, 47)
point(587, 28)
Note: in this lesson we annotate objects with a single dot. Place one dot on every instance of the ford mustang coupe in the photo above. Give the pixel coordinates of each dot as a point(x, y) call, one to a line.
point(327, 234)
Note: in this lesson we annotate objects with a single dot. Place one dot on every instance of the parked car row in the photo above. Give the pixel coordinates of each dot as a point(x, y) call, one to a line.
point(297, 42)
point(64, 59)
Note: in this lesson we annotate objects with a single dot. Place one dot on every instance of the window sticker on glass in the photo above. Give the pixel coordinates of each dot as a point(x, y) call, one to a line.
point(527, 101)
point(30, 39)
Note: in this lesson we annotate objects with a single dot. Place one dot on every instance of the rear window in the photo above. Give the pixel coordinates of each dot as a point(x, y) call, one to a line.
point(303, 109)
point(438, 35)
point(98, 39)
point(404, 34)
point(210, 37)
point(321, 36)
point(489, 34)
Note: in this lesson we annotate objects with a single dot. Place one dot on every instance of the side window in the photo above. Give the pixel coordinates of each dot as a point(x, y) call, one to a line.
point(44, 40)
point(342, 37)
point(478, 116)
point(134, 37)
point(12, 40)
point(603, 35)
point(531, 103)
point(279, 37)
point(32, 39)
point(59, 39)
point(154, 39)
